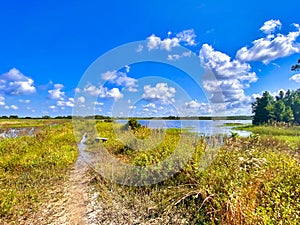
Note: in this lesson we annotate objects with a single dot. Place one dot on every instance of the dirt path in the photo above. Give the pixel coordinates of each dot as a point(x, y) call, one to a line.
point(76, 201)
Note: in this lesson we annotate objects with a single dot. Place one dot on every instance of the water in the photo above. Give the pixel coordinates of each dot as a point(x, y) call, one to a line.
point(16, 132)
point(202, 127)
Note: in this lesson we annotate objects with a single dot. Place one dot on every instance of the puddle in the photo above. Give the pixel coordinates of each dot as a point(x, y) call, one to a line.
point(84, 157)
point(17, 132)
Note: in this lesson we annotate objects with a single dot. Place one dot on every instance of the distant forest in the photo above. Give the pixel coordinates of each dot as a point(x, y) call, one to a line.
point(283, 108)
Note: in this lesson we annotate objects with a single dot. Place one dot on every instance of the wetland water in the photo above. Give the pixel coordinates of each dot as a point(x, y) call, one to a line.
point(17, 132)
point(202, 127)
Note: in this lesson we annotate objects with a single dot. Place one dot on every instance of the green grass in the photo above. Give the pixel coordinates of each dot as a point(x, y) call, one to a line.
point(289, 134)
point(254, 180)
point(232, 124)
point(21, 123)
point(272, 130)
point(31, 166)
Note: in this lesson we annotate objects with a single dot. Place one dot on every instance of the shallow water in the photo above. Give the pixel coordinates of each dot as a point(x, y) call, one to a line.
point(17, 132)
point(202, 127)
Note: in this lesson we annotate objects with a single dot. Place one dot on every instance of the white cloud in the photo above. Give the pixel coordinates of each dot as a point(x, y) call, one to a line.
point(232, 77)
point(120, 79)
point(270, 26)
point(127, 68)
point(150, 105)
point(124, 80)
point(296, 78)
point(193, 104)
point(186, 37)
point(69, 102)
point(77, 90)
point(16, 83)
point(175, 57)
point(223, 67)
point(81, 99)
point(140, 48)
point(160, 93)
point(194, 108)
point(132, 107)
point(14, 107)
point(103, 92)
point(99, 103)
point(114, 93)
point(24, 101)
point(96, 91)
point(52, 107)
point(2, 100)
point(109, 75)
point(271, 47)
point(56, 93)
point(155, 42)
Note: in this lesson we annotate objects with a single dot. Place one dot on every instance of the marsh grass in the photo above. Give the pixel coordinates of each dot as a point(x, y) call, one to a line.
point(22, 123)
point(254, 180)
point(31, 166)
point(284, 133)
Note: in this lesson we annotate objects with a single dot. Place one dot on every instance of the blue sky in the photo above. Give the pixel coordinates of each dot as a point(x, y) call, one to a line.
point(47, 47)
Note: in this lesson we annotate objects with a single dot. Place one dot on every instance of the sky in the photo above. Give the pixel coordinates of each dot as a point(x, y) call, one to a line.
point(145, 58)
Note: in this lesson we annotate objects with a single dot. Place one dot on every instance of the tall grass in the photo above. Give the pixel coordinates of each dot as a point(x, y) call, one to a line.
point(31, 166)
point(254, 180)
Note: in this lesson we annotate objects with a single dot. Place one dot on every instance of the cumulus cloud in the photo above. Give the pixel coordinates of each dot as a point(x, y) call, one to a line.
point(14, 107)
point(103, 92)
point(232, 77)
point(186, 37)
point(68, 103)
point(194, 104)
point(150, 105)
point(109, 75)
point(270, 26)
point(175, 57)
point(271, 47)
point(296, 78)
point(2, 100)
point(81, 99)
point(127, 68)
point(155, 42)
point(26, 101)
point(194, 108)
point(114, 93)
point(160, 93)
point(120, 79)
point(16, 83)
point(140, 48)
point(56, 93)
point(221, 65)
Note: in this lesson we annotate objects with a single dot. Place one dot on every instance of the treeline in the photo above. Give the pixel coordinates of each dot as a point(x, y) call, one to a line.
point(283, 108)
point(97, 117)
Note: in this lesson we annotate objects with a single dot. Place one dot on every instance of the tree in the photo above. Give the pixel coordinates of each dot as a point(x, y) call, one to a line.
point(133, 124)
point(262, 109)
point(296, 108)
point(296, 67)
point(288, 115)
point(279, 110)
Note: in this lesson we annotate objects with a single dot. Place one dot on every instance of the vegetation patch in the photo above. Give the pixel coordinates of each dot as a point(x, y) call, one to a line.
point(31, 166)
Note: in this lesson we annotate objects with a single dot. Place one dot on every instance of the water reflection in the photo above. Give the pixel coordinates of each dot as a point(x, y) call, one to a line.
point(202, 127)
point(17, 132)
